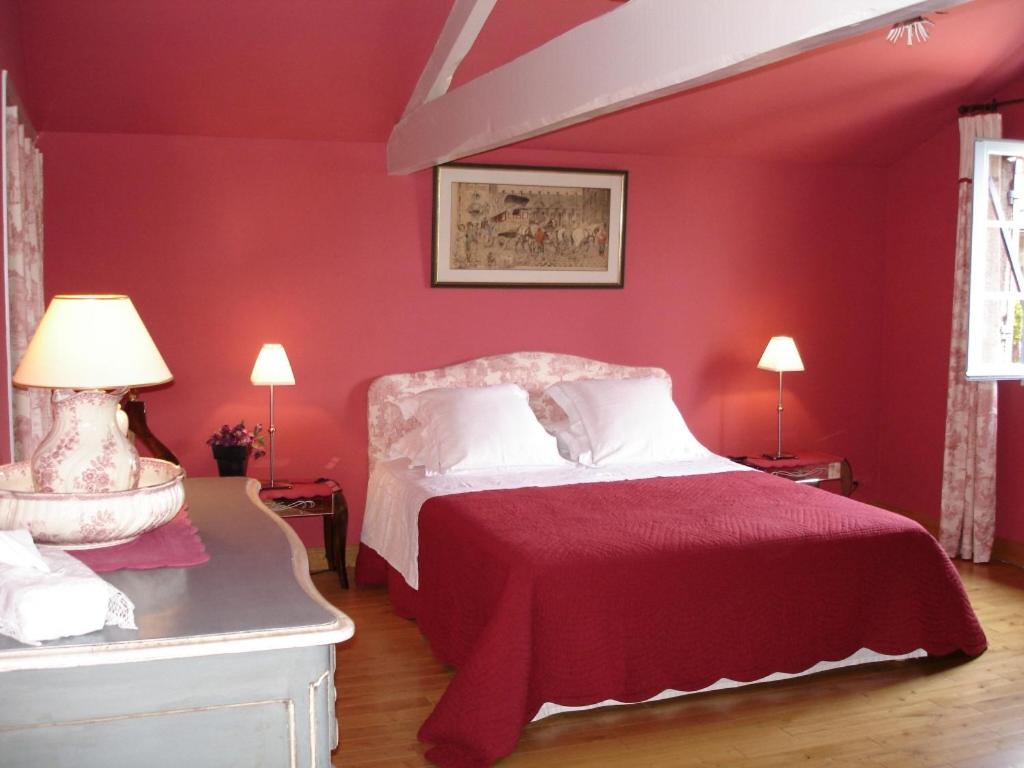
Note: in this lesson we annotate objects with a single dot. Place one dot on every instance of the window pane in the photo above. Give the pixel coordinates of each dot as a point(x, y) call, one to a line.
point(997, 277)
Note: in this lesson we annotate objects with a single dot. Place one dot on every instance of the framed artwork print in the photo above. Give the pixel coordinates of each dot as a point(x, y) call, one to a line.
point(529, 227)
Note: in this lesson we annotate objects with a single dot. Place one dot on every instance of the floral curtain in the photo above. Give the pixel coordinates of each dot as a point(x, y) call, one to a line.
point(24, 178)
point(968, 521)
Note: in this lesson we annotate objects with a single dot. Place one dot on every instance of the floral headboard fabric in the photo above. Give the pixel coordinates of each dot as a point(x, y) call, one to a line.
point(533, 371)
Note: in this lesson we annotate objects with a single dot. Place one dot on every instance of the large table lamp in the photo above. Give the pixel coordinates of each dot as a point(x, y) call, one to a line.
point(89, 349)
point(272, 369)
point(780, 355)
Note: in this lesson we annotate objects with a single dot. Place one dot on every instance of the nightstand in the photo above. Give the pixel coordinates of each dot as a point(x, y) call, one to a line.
point(806, 468)
point(316, 498)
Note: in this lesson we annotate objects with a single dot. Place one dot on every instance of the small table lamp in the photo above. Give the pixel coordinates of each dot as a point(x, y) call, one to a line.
point(780, 355)
point(91, 344)
point(272, 368)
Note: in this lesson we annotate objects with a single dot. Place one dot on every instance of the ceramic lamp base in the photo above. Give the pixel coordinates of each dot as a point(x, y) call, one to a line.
point(85, 451)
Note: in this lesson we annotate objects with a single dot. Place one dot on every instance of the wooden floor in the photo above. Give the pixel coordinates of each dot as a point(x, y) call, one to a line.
point(935, 713)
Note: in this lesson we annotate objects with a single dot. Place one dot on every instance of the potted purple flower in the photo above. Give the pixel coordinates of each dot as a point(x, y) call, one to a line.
point(232, 447)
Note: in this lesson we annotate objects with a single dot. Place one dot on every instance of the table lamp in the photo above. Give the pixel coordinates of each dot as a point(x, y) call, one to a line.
point(272, 369)
point(89, 350)
point(780, 355)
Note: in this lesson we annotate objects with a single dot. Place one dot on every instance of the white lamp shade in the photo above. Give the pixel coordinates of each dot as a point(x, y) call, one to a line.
point(781, 355)
point(272, 367)
point(91, 342)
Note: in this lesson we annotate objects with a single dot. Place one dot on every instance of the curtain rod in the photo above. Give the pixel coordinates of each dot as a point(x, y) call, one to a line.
point(988, 106)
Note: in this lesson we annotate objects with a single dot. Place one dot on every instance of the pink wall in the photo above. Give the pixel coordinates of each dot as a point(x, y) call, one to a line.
point(918, 290)
point(1010, 478)
point(224, 244)
point(11, 56)
point(917, 285)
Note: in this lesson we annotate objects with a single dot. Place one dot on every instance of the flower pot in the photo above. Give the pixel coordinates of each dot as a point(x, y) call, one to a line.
point(232, 460)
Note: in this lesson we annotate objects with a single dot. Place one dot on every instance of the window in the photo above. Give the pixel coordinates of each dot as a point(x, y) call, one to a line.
point(994, 344)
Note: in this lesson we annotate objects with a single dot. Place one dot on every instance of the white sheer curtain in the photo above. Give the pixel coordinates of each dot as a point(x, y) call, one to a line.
point(23, 165)
point(968, 521)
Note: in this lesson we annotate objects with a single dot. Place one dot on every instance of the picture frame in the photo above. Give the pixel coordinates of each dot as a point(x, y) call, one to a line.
point(528, 227)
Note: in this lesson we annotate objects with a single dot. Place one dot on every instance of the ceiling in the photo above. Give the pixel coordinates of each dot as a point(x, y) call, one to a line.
point(344, 69)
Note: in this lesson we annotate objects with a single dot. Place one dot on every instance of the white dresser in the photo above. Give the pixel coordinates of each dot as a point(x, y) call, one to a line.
point(232, 664)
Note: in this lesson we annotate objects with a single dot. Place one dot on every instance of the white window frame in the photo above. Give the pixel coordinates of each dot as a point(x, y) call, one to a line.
point(981, 226)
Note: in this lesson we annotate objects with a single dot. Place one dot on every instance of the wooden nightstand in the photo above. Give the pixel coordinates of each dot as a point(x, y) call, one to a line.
point(317, 498)
point(806, 468)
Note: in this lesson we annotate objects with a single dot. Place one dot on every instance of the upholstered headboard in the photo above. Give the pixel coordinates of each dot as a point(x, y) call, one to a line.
point(533, 371)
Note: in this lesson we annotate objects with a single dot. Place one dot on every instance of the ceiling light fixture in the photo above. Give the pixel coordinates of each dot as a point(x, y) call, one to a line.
point(911, 29)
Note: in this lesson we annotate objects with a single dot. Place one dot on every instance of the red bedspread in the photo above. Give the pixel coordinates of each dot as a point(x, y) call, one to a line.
point(581, 593)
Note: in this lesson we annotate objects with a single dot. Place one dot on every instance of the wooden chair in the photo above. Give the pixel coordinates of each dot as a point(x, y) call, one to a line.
point(136, 411)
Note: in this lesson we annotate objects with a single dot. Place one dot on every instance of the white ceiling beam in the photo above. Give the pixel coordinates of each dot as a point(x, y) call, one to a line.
point(465, 20)
point(639, 52)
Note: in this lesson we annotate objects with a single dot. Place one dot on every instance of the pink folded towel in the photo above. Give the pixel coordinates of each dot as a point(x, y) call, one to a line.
point(175, 544)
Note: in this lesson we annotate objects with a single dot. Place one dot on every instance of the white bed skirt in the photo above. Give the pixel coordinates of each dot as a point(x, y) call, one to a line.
point(863, 656)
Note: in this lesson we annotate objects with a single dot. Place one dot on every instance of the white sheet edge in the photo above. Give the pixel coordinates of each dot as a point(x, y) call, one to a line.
point(863, 656)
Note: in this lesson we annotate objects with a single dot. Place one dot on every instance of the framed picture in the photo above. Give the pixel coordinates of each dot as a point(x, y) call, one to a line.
point(529, 227)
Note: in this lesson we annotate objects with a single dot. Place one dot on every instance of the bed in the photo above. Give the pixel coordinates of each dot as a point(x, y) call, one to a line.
point(566, 586)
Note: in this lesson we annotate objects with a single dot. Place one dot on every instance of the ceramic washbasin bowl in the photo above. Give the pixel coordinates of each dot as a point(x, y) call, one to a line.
point(91, 520)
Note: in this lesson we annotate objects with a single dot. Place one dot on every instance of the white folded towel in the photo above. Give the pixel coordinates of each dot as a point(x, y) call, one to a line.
point(46, 594)
point(18, 549)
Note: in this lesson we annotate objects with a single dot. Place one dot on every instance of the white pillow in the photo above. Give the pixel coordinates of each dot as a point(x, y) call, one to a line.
point(409, 446)
point(625, 421)
point(475, 428)
point(572, 441)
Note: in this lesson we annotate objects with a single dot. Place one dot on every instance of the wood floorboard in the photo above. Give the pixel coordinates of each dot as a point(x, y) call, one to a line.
point(933, 713)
